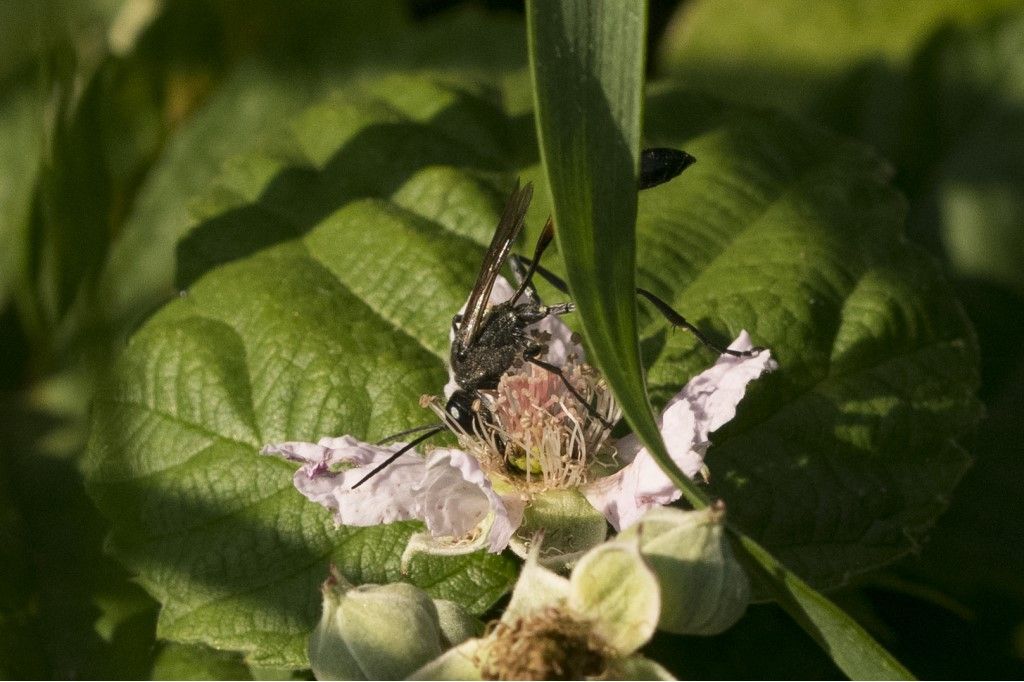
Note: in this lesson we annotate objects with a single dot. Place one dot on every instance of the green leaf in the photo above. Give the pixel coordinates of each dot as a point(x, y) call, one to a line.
point(878, 364)
point(946, 108)
point(935, 86)
point(237, 561)
point(331, 331)
point(139, 272)
point(193, 662)
point(829, 197)
point(246, 110)
point(321, 277)
point(584, 83)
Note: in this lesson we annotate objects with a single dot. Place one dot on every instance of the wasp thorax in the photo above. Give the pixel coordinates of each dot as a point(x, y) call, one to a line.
point(548, 645)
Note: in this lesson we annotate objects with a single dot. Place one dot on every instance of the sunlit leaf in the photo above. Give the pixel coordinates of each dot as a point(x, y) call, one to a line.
point(185, 662)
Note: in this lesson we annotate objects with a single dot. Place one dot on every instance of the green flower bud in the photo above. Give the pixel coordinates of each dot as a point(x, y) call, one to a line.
point(456, 624)
point(369, 632)
point(704, 590)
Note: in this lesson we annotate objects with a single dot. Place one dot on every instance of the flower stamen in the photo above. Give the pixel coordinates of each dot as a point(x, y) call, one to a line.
point(548, 645)
point(533, 429)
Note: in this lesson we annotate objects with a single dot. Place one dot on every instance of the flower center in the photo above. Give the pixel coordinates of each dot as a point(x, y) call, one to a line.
point(537, 432)
point(549, 645)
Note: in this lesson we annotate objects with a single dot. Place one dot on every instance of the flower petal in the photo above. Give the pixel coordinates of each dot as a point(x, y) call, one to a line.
point(560, 346)
point(536, 589)
point(714, 393)
point(448, 491)
point(457, 497)
point(705, 404)
point(387, 497)
point(625, 495)
point(614, 588)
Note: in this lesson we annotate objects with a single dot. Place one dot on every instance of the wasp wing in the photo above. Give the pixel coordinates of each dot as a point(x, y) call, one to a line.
point(509, 227)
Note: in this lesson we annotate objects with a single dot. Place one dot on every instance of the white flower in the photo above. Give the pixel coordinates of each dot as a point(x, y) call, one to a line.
point(538, 439)
point(447, 490)
point(705, 404)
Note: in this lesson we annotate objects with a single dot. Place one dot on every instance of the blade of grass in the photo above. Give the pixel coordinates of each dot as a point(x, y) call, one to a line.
point(587, 61)
point(849, 646)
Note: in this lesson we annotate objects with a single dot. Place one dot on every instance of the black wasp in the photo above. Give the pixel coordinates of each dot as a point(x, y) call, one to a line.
point(489, 340)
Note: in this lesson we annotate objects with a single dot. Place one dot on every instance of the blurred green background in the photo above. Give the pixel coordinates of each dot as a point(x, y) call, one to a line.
point(114, 113)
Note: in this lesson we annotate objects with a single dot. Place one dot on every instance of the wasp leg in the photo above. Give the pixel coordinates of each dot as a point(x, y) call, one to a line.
point(572, 389)
point(677, 320)
point(670, 315)
point(561, 308)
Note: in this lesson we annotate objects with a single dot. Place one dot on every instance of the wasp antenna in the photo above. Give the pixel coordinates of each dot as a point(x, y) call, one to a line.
point(407, 432)
point(398, 453)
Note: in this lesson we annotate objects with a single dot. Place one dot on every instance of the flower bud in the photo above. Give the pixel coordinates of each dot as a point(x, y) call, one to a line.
point(369, 632)
point(456, 624)
point(704, 588)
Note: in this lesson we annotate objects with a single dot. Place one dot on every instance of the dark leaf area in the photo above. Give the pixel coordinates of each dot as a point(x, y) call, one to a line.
point(935, 86)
